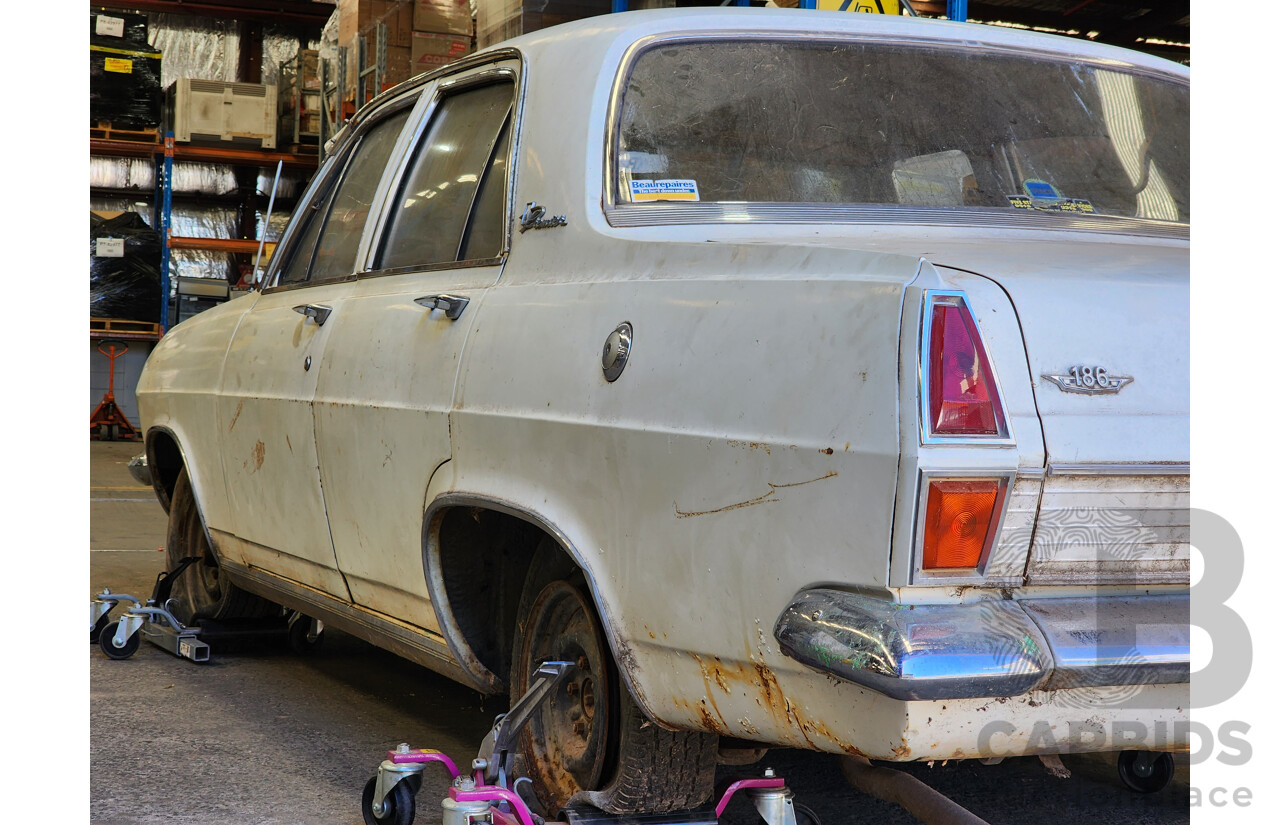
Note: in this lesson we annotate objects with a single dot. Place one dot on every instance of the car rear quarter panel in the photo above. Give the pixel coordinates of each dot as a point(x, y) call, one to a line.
point(748, 450)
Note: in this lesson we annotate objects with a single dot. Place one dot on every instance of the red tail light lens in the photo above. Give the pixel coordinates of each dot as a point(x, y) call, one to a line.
point(959, 518)
point(962, 394)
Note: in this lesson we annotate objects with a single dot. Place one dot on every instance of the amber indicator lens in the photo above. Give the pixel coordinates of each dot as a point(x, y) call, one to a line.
point(962, 400)
point(959, 516)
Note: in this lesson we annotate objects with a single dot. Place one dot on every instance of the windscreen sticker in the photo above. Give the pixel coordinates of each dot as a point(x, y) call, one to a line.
point(1061, 205)
point(664, 190)
point(1041, 190)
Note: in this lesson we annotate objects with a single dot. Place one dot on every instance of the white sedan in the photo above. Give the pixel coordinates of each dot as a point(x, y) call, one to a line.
point(806, 379)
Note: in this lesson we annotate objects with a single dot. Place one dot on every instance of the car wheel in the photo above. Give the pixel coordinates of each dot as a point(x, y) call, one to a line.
point(107, 641)
point(202, 591)
point(1144, 772)
point(590, 738)
point(397, 809)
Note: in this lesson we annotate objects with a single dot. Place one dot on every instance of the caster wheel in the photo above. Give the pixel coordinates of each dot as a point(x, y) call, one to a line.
point(397, 809)
point(96, 632)
point(106, 641)
point(305, 635)
point(1143, 771)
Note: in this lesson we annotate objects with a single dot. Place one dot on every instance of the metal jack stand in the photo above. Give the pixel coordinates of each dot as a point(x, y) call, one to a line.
point(107, 422)
point(485, 796)
point(152, 621)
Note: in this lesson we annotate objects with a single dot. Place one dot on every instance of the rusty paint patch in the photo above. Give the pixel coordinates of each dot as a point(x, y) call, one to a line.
point(288, 442)
point(236, 416)
point(902, 752)
point(751, 445)
point(827, 451)
point(259, 453)
point(767, 498)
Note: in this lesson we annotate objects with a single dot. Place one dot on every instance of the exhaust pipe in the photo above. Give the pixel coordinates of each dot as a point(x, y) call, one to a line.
point(904, 790)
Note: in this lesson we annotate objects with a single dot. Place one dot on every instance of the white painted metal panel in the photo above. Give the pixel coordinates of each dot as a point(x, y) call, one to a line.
point(267, 438)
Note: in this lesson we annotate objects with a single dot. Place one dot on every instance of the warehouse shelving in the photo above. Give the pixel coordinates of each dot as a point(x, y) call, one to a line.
point(164, 154)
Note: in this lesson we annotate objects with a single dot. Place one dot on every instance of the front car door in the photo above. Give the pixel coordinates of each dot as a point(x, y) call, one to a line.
point(387, 379)
point(269, 454)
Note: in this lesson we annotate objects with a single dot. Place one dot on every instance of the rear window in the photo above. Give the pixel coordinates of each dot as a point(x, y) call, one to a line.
point(791, 122)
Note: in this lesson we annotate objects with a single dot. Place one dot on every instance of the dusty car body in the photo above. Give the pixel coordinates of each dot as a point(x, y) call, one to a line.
point(692, 346)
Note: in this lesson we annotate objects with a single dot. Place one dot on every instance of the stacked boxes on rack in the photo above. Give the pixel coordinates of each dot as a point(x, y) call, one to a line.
point(442, 32)
point(420, 35)
point(124, 72)
point(498, 20)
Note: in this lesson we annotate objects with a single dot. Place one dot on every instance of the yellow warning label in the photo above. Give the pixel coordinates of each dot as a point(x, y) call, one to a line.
point(118, 64)
point(869, 6)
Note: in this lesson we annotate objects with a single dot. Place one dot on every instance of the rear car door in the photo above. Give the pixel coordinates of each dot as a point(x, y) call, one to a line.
point(269, 453)
point(387, 378)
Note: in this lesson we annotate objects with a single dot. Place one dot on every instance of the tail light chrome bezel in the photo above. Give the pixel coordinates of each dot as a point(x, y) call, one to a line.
point(1004, 437)
point(961, 575)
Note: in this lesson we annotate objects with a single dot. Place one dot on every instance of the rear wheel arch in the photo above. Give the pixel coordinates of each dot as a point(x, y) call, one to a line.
point(453, 549)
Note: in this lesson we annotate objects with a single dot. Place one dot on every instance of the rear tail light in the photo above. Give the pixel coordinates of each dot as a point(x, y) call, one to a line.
point(960, 522)
point(961, 398)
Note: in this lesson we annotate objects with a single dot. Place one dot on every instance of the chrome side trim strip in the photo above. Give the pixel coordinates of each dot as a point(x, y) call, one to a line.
point(1171, 469)
point(413, 643)
point(671, 214)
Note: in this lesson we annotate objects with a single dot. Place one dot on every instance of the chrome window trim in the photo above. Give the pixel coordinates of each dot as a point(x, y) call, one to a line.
point(930, 299)
point(1150, 469)
point(494, 74)
point(978, 575)
point(393, 107)
point(620, 215)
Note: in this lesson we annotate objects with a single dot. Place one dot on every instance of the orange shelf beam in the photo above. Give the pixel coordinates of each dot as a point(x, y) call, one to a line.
point(246, 246)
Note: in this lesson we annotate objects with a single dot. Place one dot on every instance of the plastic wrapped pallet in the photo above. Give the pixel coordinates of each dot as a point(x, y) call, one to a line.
point(499, 20)
point(124, 268)
point(124, 84)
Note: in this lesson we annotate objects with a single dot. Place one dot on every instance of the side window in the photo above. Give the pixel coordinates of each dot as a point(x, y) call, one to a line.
point(336, 216)
point(335, 255)
point(449, 206)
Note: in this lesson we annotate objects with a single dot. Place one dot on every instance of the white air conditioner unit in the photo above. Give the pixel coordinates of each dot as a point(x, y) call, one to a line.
point(214, 111)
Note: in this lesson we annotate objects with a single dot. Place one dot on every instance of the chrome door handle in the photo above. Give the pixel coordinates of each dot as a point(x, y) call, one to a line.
point(451, 304)
point(315, 312)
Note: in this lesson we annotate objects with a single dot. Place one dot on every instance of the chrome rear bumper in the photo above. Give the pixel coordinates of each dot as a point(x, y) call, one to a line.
point(990, 648)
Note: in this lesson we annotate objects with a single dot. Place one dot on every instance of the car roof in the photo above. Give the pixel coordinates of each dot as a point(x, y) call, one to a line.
point(585, 37)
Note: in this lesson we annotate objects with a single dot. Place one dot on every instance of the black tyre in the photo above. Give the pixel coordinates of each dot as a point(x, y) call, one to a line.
point(398, 809)
point(590, 739)
point(1144, 772)
point(106, 641)
point(96, 631)
point(202, 591)
point(304, 638)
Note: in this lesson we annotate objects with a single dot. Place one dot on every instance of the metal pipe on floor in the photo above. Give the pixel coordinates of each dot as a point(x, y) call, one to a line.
point(904, 790)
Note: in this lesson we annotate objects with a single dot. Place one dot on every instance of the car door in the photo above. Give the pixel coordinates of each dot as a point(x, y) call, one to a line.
point(269, 381)
point(387, 379)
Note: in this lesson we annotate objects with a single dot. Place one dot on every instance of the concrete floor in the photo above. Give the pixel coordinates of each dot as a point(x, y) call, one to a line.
point(261, 735)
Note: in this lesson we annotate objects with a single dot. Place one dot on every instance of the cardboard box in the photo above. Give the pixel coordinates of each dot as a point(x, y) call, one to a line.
point(498, 20)
point(442, 16)
point(431, 51)
point(362, 17)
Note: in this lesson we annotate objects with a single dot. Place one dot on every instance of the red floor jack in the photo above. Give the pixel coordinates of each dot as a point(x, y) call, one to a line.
point(488, 795)
point(107, 422)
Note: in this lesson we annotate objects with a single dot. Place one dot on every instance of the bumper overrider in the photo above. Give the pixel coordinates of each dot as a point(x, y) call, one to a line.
point(990, 648)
